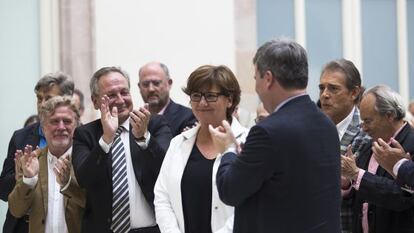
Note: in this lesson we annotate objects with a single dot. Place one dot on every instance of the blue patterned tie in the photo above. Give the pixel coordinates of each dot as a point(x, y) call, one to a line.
point(120, 193)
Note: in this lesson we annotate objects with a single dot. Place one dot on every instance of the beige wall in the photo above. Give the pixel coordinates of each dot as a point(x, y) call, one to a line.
point(182, 34)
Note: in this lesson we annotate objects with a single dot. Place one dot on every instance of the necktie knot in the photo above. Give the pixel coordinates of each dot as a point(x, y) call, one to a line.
point(119, 131)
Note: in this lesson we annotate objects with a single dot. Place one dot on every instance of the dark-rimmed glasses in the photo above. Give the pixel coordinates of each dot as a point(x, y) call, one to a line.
point(208, 96)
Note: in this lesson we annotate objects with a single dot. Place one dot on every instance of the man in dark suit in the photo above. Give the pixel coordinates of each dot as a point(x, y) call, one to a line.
point(380, 205)
point(395, 161)
point(287, 176)
point(50, 85)
point(155, 85)
point(124, 145)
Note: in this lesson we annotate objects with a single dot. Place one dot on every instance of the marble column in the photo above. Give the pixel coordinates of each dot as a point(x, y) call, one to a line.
point(77, 44)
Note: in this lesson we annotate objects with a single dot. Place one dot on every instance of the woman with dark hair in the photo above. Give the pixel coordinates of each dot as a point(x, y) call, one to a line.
point(186, 197)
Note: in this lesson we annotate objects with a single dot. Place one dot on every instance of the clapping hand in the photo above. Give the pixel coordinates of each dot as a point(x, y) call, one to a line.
point(223, 137)
point(27, 161)
point(388, 156)
point(109, 120)
point(349, 169)
point(139, 120)
point(62, 170)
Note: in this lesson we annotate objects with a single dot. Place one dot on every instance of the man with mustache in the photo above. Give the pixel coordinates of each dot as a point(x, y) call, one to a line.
point(47, 188)
point(50, 85)
point(155, 85)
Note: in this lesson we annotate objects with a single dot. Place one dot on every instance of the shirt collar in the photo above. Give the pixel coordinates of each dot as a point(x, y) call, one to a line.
point(287, 100)
point(52, 158)
point(343, 125)
point(397, 132)
point(165, 107)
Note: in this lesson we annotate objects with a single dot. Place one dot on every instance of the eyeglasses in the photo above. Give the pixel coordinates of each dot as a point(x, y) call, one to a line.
point(208, 96)
point(145, 84)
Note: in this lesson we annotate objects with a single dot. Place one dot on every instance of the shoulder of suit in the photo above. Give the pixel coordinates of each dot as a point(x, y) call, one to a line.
point(91, 125)
point(30, 129)
point(178, 107)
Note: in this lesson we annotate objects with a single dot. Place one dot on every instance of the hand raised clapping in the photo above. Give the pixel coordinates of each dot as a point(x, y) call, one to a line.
point(109, 120)
point(27, 162)
point(349, 169)
point(139, 120)
point(62, 170)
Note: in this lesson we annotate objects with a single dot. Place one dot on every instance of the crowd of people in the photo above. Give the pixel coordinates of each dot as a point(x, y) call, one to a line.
point(342, 164)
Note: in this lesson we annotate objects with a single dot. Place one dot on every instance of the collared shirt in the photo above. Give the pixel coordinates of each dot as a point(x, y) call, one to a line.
point(397, 166)
point(141, 214)
point(232, 147)
point(372, 168)
point(55, 216)
point(343, 125)
point(287, 100)
point(42, 141)
point(165, 107)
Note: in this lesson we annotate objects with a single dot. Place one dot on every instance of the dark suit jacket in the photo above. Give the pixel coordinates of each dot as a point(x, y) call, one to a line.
point(406, 174)
point(287, 177)
point(93, 169)
point(178, 117)
point(22, 137)
point(390, 208)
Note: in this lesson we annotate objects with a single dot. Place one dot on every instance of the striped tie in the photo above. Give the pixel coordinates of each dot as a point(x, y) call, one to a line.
point(120, 194)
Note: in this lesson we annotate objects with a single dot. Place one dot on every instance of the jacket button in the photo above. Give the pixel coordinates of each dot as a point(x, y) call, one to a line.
point(108, 220)
point(43, 221)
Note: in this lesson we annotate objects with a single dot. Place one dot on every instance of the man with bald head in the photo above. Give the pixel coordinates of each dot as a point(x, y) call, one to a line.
point(380, 205)
point(155, 85)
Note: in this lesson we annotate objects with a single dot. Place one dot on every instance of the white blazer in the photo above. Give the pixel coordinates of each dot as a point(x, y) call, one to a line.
point(168, 203)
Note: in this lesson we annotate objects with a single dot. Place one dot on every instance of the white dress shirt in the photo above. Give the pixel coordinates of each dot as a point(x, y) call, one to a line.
point(55, 216)
point(343, 125)
point(141, 214)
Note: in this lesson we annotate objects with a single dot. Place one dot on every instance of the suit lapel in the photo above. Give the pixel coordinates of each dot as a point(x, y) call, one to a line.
point(171, 109)
point(364, 155)
point(43, 178)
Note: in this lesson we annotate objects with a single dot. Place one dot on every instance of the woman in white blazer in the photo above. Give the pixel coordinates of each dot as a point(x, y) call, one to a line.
point(186, 197)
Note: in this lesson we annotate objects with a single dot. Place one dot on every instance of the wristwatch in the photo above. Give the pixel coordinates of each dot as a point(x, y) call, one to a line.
point(142, 138)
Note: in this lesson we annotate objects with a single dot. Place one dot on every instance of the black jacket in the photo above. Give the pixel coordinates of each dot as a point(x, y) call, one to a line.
point(22, 137)
point(93, 169)
point(390, 209)
point(287, 177)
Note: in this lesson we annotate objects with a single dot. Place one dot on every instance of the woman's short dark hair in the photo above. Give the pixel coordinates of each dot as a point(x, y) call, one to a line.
point(208, 76)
